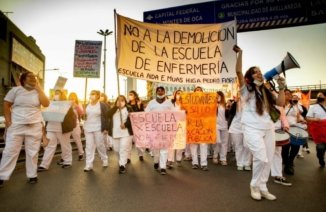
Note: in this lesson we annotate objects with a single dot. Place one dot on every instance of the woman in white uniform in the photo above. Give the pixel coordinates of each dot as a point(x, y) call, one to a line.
point(175, 154)
point(120, 130)
point(242, 153)
point(76, 133)
point(137, 106)
point(258, 127)
point(95, 127)
point(107, 139)
point(59, 133)
point(203, 148)
point(23, 120)
point(222, 138)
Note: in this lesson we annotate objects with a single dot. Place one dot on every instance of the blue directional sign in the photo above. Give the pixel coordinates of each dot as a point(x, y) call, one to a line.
point(250, 14)
point(195, 13)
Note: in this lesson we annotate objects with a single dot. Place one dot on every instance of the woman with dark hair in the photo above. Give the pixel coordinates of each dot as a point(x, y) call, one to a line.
point(95, 127)
point(137, 106)
point(120, 130)
point(107, 139)
point(257, 120)
point(222, 139)
point(23, 120)
point(59, 133)
point(76, 133)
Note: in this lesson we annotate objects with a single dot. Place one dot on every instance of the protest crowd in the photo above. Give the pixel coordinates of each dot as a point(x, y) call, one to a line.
point(256, 124)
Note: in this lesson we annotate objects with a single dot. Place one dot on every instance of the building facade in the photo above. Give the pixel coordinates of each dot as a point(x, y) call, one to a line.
point(18, 53)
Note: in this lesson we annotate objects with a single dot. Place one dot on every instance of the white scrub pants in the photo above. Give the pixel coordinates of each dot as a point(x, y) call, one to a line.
point(261, 144)
point(17, 134)
point(203, 154)
point(122, 146)
point(221, 146)
point(76, 135)
point(94, 140)
point(175, 154)
point(187, 151)
point(108, 141)
point(140, 151)
point(242, 153)
point(56, 138)
point(276, 169)
point(160, 156)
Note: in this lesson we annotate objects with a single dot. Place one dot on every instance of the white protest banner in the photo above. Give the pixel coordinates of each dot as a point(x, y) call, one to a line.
point(56, 111)
point(87, 58)
point(176, 53)
point(157, 130)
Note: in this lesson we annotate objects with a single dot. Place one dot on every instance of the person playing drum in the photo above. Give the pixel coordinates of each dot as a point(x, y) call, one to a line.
point(292, 111)
point(282, 126)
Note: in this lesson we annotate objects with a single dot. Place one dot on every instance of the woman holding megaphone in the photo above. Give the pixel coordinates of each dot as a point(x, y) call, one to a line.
point(258, 117)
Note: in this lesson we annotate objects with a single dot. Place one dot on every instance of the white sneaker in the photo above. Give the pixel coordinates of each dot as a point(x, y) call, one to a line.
point(87, 169)
point(105, 163)
point(224, 163)
point(247, 168)
point(267, 195)
point(215, 160)
point(255, 193)
point(240, 168)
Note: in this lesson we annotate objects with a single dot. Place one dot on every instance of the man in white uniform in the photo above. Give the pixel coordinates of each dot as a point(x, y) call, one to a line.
point(161, 103)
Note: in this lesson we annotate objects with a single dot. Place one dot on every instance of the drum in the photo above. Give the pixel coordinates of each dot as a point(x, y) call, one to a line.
point(317, 130)
point(298, 136)
point(281, 138)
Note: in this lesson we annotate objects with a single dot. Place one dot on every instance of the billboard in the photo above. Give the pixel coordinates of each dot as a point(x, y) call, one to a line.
point(27, 59)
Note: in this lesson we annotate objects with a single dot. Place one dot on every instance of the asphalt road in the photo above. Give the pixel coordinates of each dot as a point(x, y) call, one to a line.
point(143, 189)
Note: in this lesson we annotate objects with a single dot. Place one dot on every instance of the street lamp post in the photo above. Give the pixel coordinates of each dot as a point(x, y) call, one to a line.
point(104, 33)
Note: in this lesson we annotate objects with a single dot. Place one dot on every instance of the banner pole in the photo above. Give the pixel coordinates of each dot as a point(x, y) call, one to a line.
point(116, 57)
point(116, 49)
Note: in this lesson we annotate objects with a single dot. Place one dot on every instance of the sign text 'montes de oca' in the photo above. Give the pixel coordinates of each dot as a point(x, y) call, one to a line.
point(172, 53)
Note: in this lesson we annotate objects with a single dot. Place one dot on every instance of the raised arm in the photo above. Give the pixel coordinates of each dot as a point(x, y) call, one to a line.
point(280, 101)
point(238, 67)
point(44, 100)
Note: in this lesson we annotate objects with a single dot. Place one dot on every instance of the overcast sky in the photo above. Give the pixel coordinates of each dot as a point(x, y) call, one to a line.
point(56, 24)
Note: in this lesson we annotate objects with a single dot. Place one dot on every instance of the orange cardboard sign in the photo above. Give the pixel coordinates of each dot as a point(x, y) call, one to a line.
point(201, 116)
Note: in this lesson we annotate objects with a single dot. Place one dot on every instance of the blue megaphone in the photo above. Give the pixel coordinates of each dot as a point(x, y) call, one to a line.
point(287, 63)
